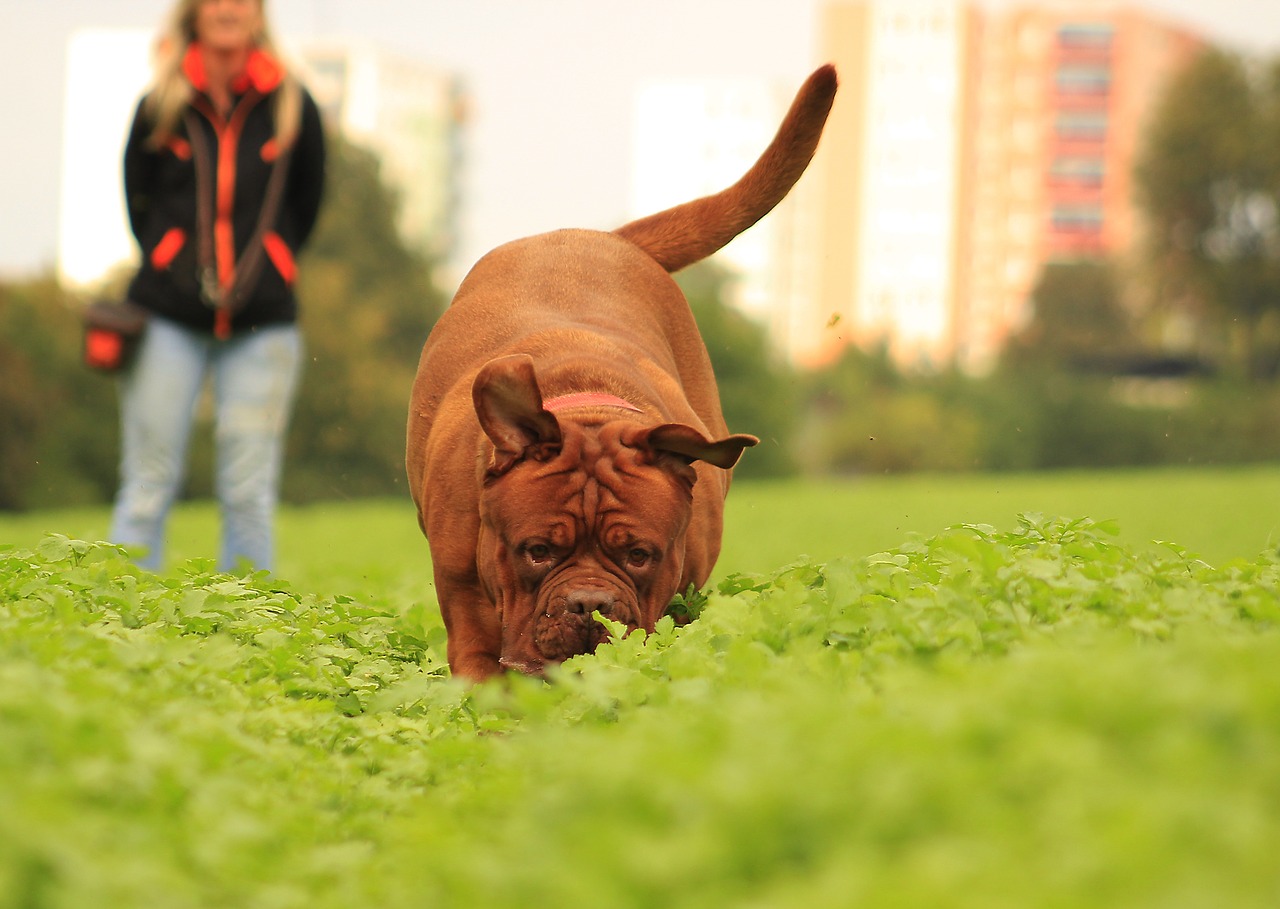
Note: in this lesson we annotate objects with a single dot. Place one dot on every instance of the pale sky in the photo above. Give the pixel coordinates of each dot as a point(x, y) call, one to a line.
point(551, 83)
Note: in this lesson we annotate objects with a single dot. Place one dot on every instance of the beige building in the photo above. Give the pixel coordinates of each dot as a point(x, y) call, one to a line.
point(411, 116)
point(893, 242)
point(966, 149)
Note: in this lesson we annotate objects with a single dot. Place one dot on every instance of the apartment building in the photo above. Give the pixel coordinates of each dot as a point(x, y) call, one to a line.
point(1066, 89)
point(411, 116)
point(893, 168)
point(967, 148)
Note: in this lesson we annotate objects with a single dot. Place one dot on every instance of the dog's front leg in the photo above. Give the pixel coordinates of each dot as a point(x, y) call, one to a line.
point(475, 631)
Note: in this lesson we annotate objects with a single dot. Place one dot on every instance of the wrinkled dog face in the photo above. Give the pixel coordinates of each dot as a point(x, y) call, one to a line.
point(597, 525)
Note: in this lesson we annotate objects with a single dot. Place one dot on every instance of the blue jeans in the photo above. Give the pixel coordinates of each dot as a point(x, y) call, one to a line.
point(255, 378)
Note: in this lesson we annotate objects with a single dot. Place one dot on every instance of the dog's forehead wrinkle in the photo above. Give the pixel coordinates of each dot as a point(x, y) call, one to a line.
point(589, 505)
point(617, 531)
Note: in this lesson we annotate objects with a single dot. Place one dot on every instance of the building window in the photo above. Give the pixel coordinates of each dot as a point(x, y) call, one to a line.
point(1077, 218)
point(1079, 171)
point(1082, 79)
point(1081, 124)
point(1093, 35)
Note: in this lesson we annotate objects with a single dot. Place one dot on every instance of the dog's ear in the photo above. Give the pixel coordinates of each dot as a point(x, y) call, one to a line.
point(690, 445)
point(509, 404)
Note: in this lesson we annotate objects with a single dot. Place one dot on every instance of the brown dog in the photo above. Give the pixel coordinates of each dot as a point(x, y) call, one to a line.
point(566, 449)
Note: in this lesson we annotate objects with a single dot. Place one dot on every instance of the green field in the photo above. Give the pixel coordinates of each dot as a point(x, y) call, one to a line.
point(1218, 514)
point(1044, 712)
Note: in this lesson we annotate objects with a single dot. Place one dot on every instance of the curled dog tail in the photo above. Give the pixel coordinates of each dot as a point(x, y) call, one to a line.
point(680, 236)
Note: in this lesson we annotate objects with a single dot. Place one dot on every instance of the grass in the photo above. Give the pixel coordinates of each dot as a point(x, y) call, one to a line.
point(1218, 514)
point(873, 709)
point(1037, 715)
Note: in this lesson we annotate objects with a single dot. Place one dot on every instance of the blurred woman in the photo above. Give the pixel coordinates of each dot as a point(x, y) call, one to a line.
point(223, 176)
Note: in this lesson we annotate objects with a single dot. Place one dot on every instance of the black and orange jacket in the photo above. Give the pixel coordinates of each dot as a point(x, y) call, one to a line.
point(160, 194)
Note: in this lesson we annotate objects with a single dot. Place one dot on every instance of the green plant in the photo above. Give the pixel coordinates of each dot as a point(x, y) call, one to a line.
point(1034, 716)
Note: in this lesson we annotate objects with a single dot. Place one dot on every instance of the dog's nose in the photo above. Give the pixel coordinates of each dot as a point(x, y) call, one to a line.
point(586, 601)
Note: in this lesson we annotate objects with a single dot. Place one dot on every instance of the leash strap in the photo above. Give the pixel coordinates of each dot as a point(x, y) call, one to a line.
point(227, 301)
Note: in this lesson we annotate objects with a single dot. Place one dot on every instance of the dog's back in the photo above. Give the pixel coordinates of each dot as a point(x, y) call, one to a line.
point(532, 295)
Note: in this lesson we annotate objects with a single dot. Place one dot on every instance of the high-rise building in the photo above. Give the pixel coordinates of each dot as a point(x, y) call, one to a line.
point(1066, 91)
point(966, 150)
point(107, 71)
point(411, 116)
point(893, 167)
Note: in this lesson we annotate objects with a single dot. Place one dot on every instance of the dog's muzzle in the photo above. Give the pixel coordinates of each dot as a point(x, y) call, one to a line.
point(567, 626)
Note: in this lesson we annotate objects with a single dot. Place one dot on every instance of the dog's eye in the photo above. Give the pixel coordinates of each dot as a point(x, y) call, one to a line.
point(538, 553)
point(637, 557)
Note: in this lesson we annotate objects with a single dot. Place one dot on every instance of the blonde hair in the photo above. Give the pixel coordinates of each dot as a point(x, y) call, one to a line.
point(170, 91)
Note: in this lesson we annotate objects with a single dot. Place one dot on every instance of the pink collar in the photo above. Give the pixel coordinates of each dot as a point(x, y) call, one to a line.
point(587, 399)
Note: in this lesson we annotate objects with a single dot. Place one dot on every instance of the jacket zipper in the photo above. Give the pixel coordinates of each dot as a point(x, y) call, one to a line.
point(228, 132)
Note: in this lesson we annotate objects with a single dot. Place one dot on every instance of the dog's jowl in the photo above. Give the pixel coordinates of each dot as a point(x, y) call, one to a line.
point(566, 449)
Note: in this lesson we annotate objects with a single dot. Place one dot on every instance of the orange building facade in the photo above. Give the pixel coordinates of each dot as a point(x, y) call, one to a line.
point(1036, 116)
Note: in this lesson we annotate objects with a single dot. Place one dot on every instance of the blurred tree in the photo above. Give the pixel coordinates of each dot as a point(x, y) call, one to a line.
point(58, 426)
point(1078, 322)
point(357, 232)
point(757, 390)
point(20, 401)
point(1209, 182)
point(865, 416)
point(367, 304)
